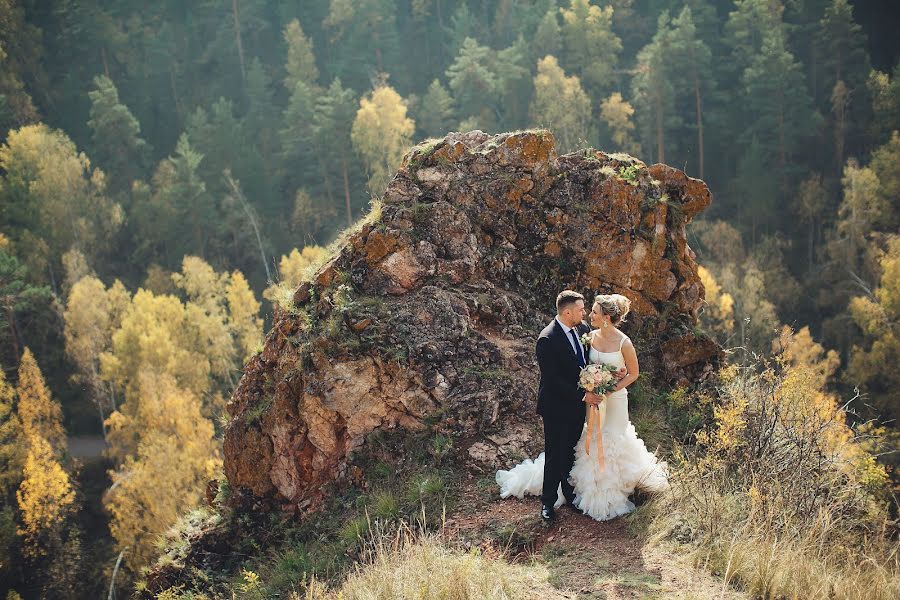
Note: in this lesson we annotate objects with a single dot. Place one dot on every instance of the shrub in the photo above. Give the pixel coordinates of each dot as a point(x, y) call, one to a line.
point(778, 495)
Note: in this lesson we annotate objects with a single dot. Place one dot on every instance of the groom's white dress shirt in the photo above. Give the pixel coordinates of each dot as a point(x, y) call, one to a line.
point(566, 330)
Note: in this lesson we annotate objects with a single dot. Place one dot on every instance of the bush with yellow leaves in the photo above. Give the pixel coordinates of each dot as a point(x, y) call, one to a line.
point(779, 494)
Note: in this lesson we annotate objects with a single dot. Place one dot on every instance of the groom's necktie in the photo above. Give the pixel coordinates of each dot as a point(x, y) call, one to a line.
point(578, 349)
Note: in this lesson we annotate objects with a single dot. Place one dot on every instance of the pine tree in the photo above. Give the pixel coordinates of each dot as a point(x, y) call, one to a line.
point(811, 202)
point(177, 216)
point(382, 133)
point(690, 64)
point(846, 67)
point(748, 26)
point(260, 124)
point(591, 49)
point(17, 296)
point(227, 142)
point(463, 25)
point(369, 41)
point(548, 37)
point(653, 91)
point(299, 160)
point(21, 54)
point(757, 188)
point(236, 25)
point(436, 113)
point(333, 118)
point(560, 104)
point(301, 62)
point(514, 85)
point(474, 85)
point(118, 145)
point(778, 107)
point(41, 416)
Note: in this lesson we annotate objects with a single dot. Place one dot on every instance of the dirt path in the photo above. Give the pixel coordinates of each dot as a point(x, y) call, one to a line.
point(587, 559)
point(87, 447)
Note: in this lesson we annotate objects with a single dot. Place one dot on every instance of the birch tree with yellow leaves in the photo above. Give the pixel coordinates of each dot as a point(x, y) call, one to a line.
point(173, 359)
point(40, 415)
point(174, 454)
point(93, 312)
point(381, 134)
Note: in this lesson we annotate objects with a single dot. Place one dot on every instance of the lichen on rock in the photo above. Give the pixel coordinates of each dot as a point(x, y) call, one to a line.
point(429, 314)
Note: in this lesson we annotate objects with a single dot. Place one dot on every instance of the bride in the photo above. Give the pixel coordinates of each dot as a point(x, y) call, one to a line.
point(616, 462)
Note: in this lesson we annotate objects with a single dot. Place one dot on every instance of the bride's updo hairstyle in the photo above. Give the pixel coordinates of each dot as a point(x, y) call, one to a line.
point(614, 305)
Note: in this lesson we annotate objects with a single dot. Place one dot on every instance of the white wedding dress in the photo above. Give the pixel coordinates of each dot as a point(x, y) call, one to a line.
point(601, 494)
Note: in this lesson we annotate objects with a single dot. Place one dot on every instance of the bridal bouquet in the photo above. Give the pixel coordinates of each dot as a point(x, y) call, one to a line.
point(598, 378)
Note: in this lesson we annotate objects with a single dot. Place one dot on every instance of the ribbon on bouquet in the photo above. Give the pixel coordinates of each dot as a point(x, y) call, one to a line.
point(596, 414)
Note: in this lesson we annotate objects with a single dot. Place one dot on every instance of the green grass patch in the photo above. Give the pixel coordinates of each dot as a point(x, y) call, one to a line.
point(353, 531)
point(385, 506)
point(629, 174)
point(256, 412)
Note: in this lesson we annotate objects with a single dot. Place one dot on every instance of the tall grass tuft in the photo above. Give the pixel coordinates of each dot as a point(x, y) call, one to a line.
point(404, 564)
point(779, 497)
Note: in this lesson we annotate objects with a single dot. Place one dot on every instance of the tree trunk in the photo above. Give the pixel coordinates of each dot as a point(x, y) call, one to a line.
point(660, 133)
point(237, 35)
point(239, 196)
point(377, 44)
point(782, 150)
point(174, 89)
point(105, 63)
point(812, 241)
point(699, 103)
point(346, 189)
point(326, 181)
point(14, 335)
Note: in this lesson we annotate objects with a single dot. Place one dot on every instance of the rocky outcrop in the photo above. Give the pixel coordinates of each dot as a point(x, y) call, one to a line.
point(429, 311)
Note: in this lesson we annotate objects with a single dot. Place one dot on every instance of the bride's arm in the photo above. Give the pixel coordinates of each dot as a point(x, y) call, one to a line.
point(631, 363)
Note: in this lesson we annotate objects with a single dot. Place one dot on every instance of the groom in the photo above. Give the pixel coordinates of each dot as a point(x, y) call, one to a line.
point(561, 403)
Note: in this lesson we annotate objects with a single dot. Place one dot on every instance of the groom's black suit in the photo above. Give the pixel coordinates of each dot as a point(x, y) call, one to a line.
point(560, 403)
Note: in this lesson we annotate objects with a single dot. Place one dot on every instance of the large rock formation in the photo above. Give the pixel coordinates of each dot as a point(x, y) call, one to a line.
point(429, 311)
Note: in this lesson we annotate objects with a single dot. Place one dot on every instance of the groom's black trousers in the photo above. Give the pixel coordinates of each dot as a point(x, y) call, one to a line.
point(561, 434)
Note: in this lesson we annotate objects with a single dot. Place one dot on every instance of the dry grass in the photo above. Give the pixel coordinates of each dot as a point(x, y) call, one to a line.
point(404, 564)
point(779, 498)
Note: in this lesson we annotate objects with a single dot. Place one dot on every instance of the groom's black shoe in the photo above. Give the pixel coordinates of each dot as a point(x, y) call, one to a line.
point(547, 513)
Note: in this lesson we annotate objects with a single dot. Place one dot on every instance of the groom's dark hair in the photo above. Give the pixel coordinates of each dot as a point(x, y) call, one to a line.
point(565, 298)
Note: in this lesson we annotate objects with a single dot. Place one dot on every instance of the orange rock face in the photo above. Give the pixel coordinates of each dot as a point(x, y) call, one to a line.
point(429, 314)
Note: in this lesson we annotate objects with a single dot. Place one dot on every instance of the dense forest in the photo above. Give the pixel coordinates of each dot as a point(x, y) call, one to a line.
point(168, 170)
